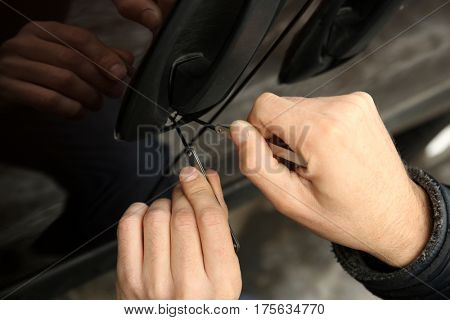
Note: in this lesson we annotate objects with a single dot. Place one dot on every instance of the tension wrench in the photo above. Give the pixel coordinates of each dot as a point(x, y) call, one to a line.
point(194, 160)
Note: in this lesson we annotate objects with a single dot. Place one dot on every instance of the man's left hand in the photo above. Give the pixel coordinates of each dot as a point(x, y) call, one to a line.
point(179, 248)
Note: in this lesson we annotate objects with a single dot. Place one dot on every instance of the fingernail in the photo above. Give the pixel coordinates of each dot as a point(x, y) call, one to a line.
point(188, 174)
point(239, 131)
point(119, 71)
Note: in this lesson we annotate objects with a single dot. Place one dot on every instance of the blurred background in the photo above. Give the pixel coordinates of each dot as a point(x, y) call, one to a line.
point(406, 70)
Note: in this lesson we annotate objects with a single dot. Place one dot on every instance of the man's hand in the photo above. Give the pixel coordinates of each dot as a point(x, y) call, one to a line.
point(355, 190)
point(179, 249)
point(150, 13)
point(40, 67)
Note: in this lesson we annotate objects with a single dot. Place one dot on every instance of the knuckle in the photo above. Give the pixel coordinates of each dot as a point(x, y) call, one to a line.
point(263, 108)
point(355, 107)
point(89, 72)
point(330, 129)
point(348, 110)
point(363, 95)
point(214, 175)
point(137, 207)
point(80, 37)
point(107, 58)
point(334, 132)
point(211, 216)
point(66, 79)
point(162, 202)
point(183, 219)
point(198, 191)
point(68, 57)
point(128, 222)
point(354, 113)
point(263, 102)
point(264, 99)
point(50, 99)
point(125, 224)
point(75, 61)
point(155, 218)
point(363, 99)
point(343, 106)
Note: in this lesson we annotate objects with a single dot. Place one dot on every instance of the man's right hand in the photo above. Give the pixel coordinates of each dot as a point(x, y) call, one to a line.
point(355, 190)
point(60, 69)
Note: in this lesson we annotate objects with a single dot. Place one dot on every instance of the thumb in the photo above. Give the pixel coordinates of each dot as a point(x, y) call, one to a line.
point(197, 189)
point(260, 167)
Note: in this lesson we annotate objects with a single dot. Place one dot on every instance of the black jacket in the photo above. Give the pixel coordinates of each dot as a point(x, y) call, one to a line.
point(428, 277)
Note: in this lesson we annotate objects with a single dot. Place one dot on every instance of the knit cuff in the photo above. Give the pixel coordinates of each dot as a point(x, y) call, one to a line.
point(366, 268)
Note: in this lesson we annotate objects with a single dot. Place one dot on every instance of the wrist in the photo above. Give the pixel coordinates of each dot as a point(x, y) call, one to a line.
point(410, 233)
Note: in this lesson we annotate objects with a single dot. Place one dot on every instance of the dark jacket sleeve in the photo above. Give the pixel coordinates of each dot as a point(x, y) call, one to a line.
point(428, 277)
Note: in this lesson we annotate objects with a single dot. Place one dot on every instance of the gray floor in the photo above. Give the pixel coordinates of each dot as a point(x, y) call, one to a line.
point(279, 259)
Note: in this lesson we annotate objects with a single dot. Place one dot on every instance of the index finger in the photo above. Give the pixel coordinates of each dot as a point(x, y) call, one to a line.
point(285, 118)
point(212, 222)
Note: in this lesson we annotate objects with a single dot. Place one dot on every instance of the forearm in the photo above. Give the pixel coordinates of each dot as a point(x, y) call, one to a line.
point(428, 276)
